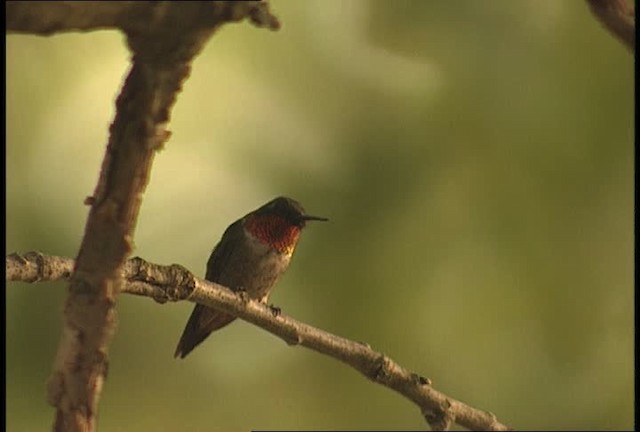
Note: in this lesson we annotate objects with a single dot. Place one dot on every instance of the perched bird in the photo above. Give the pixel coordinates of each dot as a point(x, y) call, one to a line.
point(252, 254)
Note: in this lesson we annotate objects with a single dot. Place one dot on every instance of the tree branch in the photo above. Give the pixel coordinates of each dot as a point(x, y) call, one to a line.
point(164, 38)
point(48, 17)
point(618, 17)
point(175, 283)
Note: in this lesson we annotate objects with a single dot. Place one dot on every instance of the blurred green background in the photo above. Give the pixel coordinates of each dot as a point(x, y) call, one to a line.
point(475, 160)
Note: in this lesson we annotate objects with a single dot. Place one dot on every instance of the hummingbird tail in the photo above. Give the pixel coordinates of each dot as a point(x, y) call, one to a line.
point(202, 322)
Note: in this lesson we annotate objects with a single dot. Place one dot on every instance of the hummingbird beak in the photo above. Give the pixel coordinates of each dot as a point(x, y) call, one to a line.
point(315, 218)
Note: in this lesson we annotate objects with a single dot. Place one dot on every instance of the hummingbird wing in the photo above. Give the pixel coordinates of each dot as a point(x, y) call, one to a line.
point(203, 320)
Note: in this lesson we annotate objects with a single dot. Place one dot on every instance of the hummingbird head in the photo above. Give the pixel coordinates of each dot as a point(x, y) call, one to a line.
point(278, 223)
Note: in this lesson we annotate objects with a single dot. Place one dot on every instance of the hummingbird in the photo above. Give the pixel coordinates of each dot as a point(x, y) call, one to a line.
point(252, 254)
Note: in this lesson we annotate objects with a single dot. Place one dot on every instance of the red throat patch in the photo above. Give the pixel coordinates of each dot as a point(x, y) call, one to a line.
point(274, 231)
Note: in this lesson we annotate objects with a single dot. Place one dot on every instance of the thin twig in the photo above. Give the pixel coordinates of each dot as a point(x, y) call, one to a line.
point(175, 283)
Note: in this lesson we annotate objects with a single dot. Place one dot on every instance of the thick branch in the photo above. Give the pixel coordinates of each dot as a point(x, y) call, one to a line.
point(175, 283)
point(49, 17)
point(164, 38)
point(618, 17)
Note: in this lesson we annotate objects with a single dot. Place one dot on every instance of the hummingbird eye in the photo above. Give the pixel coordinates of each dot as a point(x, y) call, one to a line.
point(290, 210)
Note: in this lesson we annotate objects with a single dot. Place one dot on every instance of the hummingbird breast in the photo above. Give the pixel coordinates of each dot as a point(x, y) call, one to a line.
point(245, 261)
point(274, 231)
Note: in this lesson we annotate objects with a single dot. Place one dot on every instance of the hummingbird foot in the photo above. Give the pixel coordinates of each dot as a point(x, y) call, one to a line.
point(275, 310)
point(243, 294)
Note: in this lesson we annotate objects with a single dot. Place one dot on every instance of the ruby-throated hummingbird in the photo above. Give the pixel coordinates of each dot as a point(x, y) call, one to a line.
point(252, 254)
